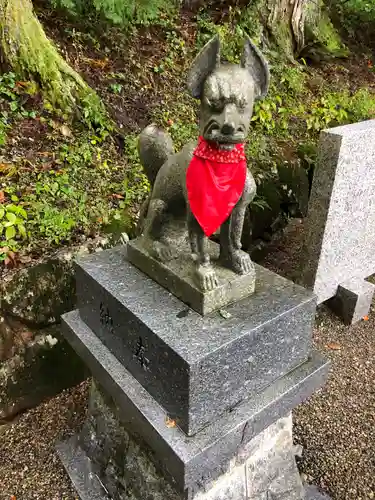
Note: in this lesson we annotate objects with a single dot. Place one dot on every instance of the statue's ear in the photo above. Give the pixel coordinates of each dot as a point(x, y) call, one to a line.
point(203, 65)
point(253, 60)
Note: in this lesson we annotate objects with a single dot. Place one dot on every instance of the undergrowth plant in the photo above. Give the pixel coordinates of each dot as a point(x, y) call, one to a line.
point(126, 13)
point(13, 222)
point(356, 11)
point(12, 100)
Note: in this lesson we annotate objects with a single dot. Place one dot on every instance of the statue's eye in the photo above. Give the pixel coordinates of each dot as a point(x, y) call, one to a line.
point(242, 104)
point(216, 106)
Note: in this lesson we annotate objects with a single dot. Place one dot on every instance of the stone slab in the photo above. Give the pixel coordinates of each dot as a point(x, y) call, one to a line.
point(177, 276)
point(195, 367)
point(200, 458)
point(81, 471)
point(340, 227)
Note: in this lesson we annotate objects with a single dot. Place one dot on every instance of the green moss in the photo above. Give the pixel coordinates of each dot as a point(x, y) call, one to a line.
point(282, 38)
point(31, 54)
point(322, 39)
point(326, 33)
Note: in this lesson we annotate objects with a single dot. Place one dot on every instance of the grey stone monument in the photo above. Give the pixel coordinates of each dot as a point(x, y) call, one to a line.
point(338, 253)
point(188, 401)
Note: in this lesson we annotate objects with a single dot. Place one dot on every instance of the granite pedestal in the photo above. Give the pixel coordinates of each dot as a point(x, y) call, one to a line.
point(181, 401)
point(195, 367)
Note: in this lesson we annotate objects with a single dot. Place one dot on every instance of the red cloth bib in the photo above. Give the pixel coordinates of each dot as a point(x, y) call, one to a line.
point(215, 180)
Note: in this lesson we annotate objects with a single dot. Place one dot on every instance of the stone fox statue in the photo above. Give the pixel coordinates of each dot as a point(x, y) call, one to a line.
point(207, 185)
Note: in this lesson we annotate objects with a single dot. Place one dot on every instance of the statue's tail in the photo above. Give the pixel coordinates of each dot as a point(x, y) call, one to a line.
point(154, 147)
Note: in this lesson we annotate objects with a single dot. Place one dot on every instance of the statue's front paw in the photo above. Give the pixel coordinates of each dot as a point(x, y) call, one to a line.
point(207, 278)
point(164, 253)
point(240, 262)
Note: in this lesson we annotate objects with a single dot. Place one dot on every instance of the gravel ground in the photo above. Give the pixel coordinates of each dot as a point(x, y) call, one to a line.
point(336, 426)
point(29, 466)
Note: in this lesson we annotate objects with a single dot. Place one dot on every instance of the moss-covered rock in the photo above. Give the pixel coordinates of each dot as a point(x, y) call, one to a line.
point(42, 365)
point(38, 294)
point(285, 194)
point(35, 361)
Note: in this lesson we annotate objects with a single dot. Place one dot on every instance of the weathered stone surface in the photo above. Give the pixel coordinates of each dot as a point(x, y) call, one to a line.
point(39, 293)
point(128, 468)
point(195, 367)
point(353, 300)
point(42, 364)
point(178, 277)
point(35, 361)
point(81, 471)
point(313, 493)
point(199, 459)
point(341, 215)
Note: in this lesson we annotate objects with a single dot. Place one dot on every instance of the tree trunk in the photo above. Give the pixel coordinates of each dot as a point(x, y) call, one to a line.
point(25, 47)
point(286, 22)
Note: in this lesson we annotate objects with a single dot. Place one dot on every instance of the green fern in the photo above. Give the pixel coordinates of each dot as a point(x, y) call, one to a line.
point(128, 12)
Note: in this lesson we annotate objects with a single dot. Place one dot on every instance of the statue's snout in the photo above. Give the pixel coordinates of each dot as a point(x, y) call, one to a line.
point(228, 128)
point(230, 121)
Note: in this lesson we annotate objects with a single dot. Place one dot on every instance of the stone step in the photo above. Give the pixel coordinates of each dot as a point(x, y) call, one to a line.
point(195, 367)
point(190, 462)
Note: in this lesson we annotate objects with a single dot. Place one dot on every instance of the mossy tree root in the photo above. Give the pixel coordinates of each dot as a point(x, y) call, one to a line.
point(27, 50)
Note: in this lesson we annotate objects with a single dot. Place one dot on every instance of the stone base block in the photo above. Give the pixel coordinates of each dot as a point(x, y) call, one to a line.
point(353, 300)
point(193, 462)
point(107, 458)
point(178, 276)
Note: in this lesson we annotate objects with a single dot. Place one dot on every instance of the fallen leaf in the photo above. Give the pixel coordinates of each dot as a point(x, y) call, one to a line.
point(334, 346)
point(183, 313)
point(170, 423)
point(2, 196)
point(26, 336)
point(10, 259)
point(225, 314)
point(47, 165)
point(4, 167)
point(99, 63)
point(117, 196)
point(65, 130)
